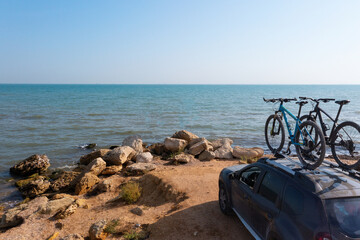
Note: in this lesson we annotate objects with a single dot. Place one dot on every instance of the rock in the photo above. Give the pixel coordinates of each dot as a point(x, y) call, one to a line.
point(137, 211)
point(36, 187)
point(72, 237)
point(86, 182)
point(63, 213)
point(183, 158)
point(247, 153)
point(104, 186)
point(96, 166)
point(111, 170)
point(175, 144)
point(206, 155)
point(157, 148)
point(195, 141)
point(86, 159)
point(82, 203)
point(90, 145)
point(145, 157)
point(33, 164)
point(135, 142)
point(140, 168)
point(199, 147)
point(224, 152)
point(63, 182)
point(96, 231)
point(186, 135)
point(221, 142)
point(16, 216)
point(119, 155)
point(57, 205)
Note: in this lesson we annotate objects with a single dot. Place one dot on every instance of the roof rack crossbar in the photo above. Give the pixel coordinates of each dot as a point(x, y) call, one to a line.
point(280, 166)
point(351, 172)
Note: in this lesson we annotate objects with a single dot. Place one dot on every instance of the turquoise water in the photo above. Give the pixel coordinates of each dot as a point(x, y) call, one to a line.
point(57, 119)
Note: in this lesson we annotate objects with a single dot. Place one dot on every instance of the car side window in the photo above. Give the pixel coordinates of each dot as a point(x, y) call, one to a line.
point(293, 201)
point(249, 176)
point(271, 186)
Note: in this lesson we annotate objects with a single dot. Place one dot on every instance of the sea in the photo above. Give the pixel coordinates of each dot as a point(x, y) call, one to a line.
point(59, 120)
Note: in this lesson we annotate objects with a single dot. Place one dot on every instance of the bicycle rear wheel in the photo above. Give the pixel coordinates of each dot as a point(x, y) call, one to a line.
point(345, 145)
point(310, 144)
point(274, 133)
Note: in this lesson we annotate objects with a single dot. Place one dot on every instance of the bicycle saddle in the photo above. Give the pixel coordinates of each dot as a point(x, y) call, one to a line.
point(325, 100)
point(342, 102)
point(301, 103)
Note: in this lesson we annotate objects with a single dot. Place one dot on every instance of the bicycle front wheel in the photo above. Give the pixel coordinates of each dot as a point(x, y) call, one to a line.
point(274, 133)
point(310, 144)
point(345, 145)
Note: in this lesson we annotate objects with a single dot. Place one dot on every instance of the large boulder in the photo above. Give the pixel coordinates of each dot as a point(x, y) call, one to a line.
point(35, 187)
point(140, 168)
point(104, 186)
point(64, 181)
point(54, 206)
point(221, 142)
point(63, 213)
point(175, 144)
point(186, 135)
point(199, 147)
point(33, 164)
point(96, 166)
point(145, 157)
point(224, 152)
point(247, 153)
point(183, 158)
point(97, 231)
point(207, 155)
point(86, 182)
point(135, 142)
point(119, 155)
point(86, 159)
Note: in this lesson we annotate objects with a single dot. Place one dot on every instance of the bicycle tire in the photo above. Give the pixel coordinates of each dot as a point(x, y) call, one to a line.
point(345, 140)
point(310, 148)
point(275, 141)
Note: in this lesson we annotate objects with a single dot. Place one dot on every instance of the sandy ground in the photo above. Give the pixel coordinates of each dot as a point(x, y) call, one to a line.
point(179, 202)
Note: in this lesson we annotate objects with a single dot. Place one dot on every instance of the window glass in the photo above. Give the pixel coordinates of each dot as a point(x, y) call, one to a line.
point(271, 186)
point(249, 176)
point(293, 201)
point(344, 215)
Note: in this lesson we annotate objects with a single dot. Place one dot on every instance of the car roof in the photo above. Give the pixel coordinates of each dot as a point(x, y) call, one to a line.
point(327, 181)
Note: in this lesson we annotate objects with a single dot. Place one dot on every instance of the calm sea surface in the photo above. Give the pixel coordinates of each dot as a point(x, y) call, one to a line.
point(56, 119)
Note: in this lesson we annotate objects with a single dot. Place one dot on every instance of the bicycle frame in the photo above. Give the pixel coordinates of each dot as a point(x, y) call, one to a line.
point(284, 111)
point(318, 112)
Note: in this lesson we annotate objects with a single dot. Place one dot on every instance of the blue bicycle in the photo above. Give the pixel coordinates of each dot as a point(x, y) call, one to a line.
point(307, 137)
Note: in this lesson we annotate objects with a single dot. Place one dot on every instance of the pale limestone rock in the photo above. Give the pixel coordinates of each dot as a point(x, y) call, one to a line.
point(175, 144)
point(247, 153)
point(183, 158)
point(96, 166)
point(135, 142)
point(221, 142)
point(140, 168)
point(33, 164)
point(55, 206)
point(87, 181)
point(119, 155)
point(207, 155)
point(96, 231)
point(186, 135)
point(111, 170)
point(86, 159)
point(199, 147)
point(145, 157)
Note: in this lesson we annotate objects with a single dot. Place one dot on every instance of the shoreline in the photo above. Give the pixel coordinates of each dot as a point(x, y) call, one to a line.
point(131, 161)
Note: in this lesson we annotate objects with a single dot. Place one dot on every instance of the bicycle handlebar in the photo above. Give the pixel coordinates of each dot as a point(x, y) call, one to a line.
point(273, 100)
point(325, 100)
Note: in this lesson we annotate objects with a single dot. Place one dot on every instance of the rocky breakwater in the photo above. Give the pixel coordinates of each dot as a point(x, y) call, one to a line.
point(58, 194)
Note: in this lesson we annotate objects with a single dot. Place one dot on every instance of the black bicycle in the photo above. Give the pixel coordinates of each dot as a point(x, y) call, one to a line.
point(343, 139)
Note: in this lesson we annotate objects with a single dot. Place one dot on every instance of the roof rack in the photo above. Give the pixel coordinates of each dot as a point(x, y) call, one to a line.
point(350, 172)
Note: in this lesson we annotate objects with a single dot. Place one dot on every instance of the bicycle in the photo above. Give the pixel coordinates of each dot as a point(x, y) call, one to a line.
point(344, 138)
point(310, 146)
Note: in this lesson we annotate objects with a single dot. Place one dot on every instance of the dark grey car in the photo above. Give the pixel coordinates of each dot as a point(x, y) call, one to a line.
point(277, 199)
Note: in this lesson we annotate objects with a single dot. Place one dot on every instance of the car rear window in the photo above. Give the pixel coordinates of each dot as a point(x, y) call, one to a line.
point(344, 215)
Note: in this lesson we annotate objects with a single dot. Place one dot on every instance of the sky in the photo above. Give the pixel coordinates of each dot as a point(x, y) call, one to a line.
point(180, 42)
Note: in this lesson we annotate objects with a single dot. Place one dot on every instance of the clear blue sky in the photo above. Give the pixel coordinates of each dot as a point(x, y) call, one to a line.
point(187, 41)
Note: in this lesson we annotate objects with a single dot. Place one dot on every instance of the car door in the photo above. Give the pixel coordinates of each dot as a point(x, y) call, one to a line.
point(265, 203)
point(242, 187)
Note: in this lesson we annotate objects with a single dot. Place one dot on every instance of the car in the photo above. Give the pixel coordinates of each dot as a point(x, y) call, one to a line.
point(277, 199)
